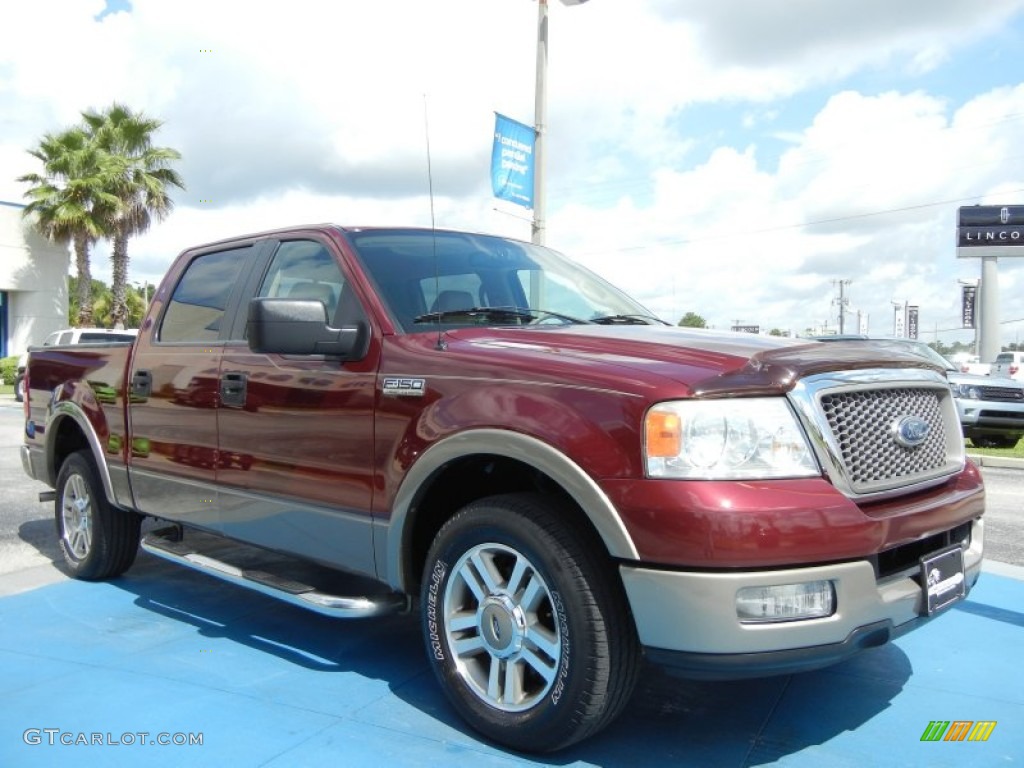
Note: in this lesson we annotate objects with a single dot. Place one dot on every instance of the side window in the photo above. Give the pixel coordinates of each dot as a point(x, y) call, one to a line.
point(196, 309)
point(304, 269)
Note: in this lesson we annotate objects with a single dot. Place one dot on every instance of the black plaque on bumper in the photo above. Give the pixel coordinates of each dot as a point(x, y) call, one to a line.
point(943, 578)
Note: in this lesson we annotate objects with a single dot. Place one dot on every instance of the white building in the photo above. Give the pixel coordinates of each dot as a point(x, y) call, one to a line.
point(33, 283)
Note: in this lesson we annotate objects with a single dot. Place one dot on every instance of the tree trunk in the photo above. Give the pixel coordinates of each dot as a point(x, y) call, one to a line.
point(119, 263)
point(84, 319)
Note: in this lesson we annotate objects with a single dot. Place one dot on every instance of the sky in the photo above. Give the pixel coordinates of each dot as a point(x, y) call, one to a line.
point(740, 160)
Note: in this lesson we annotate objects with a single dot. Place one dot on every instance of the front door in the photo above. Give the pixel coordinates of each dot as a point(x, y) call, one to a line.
point(296, 431)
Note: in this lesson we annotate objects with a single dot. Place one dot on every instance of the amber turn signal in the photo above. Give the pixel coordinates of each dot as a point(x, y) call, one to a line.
point(664, 434)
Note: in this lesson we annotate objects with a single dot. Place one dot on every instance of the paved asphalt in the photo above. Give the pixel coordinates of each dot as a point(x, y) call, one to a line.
point(100, 674)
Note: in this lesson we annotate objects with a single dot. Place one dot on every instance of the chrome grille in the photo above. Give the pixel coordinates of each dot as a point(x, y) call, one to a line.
point(863, 423)
point(852, 418)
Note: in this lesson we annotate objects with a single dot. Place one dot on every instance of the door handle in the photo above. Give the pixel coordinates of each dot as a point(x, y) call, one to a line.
point(233, 389)
point(142, 384)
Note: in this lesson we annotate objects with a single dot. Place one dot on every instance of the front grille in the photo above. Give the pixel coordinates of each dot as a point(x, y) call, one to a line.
point(863, 425)
point(1002, 394)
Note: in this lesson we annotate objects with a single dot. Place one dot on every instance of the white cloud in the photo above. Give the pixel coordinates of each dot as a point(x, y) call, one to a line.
point(312, 111)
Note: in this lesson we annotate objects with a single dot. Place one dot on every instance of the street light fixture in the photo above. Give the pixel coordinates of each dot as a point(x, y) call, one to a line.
point(540, 117)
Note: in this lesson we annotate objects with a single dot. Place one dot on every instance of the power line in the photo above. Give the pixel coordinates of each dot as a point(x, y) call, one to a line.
point(783, 227)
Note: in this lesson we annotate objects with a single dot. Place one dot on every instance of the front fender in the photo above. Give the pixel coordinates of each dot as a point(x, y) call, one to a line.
point(523, 448)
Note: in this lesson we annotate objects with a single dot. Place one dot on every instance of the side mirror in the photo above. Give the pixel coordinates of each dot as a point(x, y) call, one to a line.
point(299, 327)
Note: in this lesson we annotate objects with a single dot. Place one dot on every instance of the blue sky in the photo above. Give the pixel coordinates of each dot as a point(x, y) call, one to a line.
point(692, 146)
point(985, 65)
point(113, 6)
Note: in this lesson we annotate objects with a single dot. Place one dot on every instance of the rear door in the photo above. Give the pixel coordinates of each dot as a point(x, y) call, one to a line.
point(296, 431)
point(174, 387)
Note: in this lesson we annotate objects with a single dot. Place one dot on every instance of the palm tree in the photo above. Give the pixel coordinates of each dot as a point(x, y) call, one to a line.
point(141, 182)
point(102, 303)
point(66, 200)
point(99, 296)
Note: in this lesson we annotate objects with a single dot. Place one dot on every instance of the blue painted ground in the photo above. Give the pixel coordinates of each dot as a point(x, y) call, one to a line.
point(165, 652)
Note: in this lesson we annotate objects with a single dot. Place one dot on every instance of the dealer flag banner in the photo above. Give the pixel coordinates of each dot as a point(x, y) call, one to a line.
point(512, 161)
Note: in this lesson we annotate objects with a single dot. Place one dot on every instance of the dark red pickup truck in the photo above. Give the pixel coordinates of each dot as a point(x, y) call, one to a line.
point(560, 484)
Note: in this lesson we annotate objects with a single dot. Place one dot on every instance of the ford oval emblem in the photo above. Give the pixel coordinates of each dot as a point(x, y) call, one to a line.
point(910, 431)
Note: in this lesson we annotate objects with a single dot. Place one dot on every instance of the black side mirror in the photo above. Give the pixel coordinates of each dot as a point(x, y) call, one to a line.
point(299, 327)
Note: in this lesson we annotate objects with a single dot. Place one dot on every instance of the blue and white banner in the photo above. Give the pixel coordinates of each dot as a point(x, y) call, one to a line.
point(512, 161)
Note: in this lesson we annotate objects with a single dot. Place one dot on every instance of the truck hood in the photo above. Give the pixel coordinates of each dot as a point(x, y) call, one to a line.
point(709, 363)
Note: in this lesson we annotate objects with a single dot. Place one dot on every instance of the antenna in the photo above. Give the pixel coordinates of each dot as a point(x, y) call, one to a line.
point(441, 344)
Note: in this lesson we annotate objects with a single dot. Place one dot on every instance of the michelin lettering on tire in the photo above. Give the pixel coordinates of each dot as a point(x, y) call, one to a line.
point(563, 669)
point(436, 577)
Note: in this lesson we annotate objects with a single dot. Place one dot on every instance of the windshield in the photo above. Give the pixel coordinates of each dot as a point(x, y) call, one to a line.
point(446, 278)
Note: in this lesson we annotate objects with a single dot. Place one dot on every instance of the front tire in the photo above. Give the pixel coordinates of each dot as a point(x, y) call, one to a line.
point(526, 626)
point(98, 541)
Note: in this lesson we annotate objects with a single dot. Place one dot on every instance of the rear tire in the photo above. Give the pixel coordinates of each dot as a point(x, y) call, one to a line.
point(527, 627)
point(98, 541)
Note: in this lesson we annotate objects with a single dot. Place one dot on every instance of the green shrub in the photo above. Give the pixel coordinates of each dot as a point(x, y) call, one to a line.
point(9, 369)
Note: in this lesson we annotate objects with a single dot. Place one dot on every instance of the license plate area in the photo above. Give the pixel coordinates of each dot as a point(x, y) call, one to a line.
point(942, 576)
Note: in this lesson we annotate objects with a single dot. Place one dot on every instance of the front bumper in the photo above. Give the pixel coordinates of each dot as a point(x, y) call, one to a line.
point(990, 415)
point(687, 620)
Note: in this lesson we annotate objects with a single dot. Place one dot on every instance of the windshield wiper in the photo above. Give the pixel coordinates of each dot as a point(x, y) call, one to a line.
point(494, 313)
point(489, 312)
point(543, 313)
point(627, 320)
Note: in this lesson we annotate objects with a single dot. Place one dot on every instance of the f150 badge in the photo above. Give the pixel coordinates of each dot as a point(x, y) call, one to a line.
point(395, 385)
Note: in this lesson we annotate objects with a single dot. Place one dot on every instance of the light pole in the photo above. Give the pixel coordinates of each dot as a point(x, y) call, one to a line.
point(540, 119)
point(842, 302)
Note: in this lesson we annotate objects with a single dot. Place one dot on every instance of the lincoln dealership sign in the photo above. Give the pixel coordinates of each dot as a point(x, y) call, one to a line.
point(990, 230)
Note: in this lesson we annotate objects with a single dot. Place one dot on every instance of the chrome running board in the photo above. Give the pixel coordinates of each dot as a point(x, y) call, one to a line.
point(164, 544)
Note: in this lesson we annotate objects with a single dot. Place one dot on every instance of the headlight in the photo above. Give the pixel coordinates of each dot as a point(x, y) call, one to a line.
point(966, 391)
point(726, 440)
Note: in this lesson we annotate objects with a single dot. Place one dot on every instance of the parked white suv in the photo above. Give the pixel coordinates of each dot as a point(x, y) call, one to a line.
point(87, 335)
point(1009, 365)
